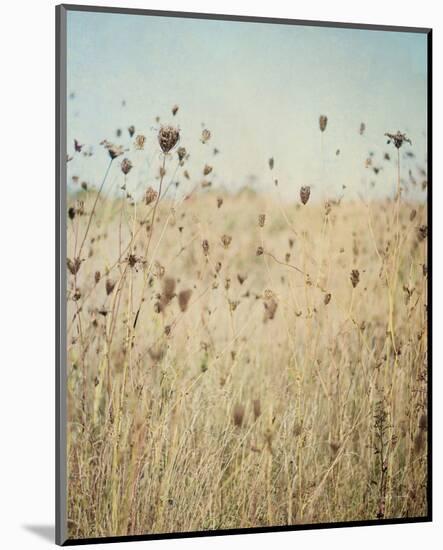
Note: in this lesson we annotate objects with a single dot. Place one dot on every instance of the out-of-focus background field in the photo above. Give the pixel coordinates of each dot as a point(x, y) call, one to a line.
point(227, 375)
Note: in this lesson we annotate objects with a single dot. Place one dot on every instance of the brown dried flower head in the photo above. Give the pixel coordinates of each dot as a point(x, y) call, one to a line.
point(260, 251)
point(131, 130)
point(113, 150)
point(399, 138)
point(181, 152)
point(126, 166)
point(323, 122)
point(183, 299)
point(207, 170)
point(327, 298)
point(140, 142)
point(422, 232)
point(226, 240)
point(305, 193)
point(355, 277)
point(73, 265)
point(168, 137)
point(261, 220)
point(206, 135)
point(109, 286)
point(174, 110)
point(150, 195)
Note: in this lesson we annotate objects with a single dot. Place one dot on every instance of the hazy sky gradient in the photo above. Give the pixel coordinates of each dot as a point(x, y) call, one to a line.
point(259, 88)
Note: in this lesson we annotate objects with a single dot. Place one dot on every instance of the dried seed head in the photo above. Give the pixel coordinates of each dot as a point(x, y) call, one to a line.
point(271, 163)
point(206, 135)
point(399, 138)
point(140, 142)
point(71, 213)
point(109, 286)
point(181, 152)
point(73, 265)
point(305, 193)
point(261, 220)
point(422, 232)
point(131, 130)
point(270, 304)
point(97, 277)
point(113, 150)
point(168, 137)
point(259, 251)
point(355, 277)
point(226, 240)
point(238, 415)
point(174, 110)
point(205, 246)
point(150, 195)
point(219, 202)
point(168, 329)
point(207, 169)
point(126, 166)
point(241, 278)
point(327, 298)
point(183, 299)
point(323, 122)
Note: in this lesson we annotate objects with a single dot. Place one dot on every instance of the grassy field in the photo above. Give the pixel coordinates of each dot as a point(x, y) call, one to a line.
point(237, 361)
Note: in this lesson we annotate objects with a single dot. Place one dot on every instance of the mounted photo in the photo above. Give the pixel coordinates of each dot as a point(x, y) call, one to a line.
point(243, 274)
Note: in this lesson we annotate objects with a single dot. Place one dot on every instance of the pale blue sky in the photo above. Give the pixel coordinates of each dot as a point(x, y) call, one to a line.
point(259, 88)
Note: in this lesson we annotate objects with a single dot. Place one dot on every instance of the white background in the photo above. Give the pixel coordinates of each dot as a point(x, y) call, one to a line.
point(27, 270)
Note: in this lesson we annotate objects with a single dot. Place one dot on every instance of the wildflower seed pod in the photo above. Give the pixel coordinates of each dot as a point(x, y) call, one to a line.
point(183, 299)
point(305, 193)
point(126, 166)
point(109, 286)
point(226, 240)
point(355, 277)
point(422, 232)
point(150, 195)
point(168, 137)
point(181, 152)
point(323, 122)
point(140, 142)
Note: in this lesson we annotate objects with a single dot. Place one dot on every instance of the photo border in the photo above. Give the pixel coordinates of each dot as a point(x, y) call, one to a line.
point(61, 279)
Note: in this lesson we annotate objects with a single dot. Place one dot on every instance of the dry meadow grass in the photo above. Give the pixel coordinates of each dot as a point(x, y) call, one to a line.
point(235, 361)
